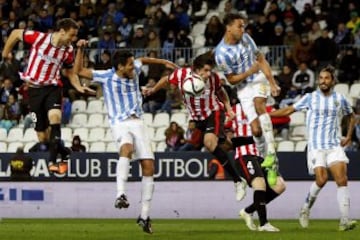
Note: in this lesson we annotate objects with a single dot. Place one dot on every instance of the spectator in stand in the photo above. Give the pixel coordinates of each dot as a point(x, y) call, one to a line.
point(325, 50)
point(263, 29)
point(349, 67)
point(84, 6)
point(289, 59)
point(6, 90)
point(109, 26)
point(228, 8)
point(303, 79)
point(46, 21)
point(354, 21)
point(20, 166)
point(183, 42)
point(114, 13)
point(182, 18)
point(120, 42)
point(11, 114)
point(105, 61)
point(106, 42)
point(76, 145)
point(198, 9)
point(168, 46)
point(343, 35)
point(315, 32)
point(174, 137)
point(126, 29)
point(139, 40)
point(173, 100)
point(285, 81)
point(277, 36)
point(193, 138)
point(291, 38)
point(10, 67)
point(154, 102)
point(214, 31)
point(304, 51)
point(153, 41)
point(90, 21)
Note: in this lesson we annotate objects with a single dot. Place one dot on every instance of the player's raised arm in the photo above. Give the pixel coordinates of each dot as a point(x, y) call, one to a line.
point(282, 112)
point(224, 98)
point(166, 63)
point(78, 66)
point(15, 36)
point(162, 83)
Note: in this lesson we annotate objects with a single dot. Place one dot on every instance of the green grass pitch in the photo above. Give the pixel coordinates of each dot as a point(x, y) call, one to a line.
point(169, 229)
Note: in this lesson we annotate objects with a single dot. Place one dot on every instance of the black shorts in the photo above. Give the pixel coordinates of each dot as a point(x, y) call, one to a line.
point(41, 100)
point(250, 167)
point(213, 124)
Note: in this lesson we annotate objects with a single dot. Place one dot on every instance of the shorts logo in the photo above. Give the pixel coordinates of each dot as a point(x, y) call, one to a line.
point(56, 105)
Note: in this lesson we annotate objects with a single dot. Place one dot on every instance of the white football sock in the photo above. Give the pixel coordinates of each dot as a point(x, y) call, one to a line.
point(311, 197)
point(267, 129)
point(146, 195)
point(344, 203)
point(122, 172)
point(260, 145)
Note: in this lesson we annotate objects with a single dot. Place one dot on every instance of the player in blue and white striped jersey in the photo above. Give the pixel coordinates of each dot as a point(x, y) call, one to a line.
point(324, 111)
point(246, 67)
point(123, 100)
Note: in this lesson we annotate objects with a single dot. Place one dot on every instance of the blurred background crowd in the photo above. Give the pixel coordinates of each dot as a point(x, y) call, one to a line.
point(297, 36)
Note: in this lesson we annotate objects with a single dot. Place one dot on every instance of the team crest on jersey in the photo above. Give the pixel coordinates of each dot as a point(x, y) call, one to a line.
point(221, 67)
point(336, 103)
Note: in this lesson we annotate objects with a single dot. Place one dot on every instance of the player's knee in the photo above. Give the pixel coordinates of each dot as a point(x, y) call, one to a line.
point(321, 180)
point(256, 131)
point(210, 142)
point(126, 150)
point(147, 167)
point(341, 180)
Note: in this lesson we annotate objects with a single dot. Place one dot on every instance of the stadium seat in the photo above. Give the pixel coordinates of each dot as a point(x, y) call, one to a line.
point(161, 146)
point(286, 146)
point(78, 120)
point(354, 92)
point(78, 106)
point(13, 146)
point(159, 134)
point(15, 135)
point(30, 135)
point(3, 134)
point(300, 146)
point(108, 136)
point(66, 134)
point(298, 133)
point(83, 133)
point(95, 106)
point(180, 118)
point(297, 118)
point(3, 147)
point(96, 134)
point(97, 147)
point(198, 29)
point(199, 41)
point(95, 120)
point(106, 121)
point(342, 88)
point(161, 120)
point(111, 147)
point(148, 118)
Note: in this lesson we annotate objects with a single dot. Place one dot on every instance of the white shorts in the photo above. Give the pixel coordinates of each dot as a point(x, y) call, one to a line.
point(259, 88)
point(325, 158)
point(133, 131)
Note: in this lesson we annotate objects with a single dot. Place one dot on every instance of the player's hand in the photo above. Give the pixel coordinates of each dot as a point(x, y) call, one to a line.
point(82, 43)
point(230, 115)
point(171, 65)
point(345, 141)
point(146, 91)
point(275, 90)
point(86, 90)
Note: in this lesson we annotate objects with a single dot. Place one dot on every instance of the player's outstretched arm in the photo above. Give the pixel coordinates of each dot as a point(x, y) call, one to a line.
point(166, 63)
point(282, 112)
point(15, 36)
point(266, 69)
point(240, 77)
point(78, 66)
point(162, 83)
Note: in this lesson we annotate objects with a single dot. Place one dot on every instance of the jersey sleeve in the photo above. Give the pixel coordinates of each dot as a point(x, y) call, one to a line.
point(252, 44)
point(101, 76)
point(30, 36)
point(303, 103)
point(138, 64)
point(224, 61)
point(346, 106)
point(173, 79)
point(69, 60)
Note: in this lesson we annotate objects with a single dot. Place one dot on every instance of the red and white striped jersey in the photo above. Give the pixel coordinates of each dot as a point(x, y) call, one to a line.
point(199, 107)
point(242, 128)
point(45, 60)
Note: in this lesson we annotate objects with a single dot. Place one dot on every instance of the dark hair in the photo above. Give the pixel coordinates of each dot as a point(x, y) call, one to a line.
point(121, 57)
point(330, 69)
point(231, 17)
point(204, 59)
point(66, 24)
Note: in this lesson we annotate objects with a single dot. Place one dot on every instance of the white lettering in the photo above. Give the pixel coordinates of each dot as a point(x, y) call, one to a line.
point(179, 170)
point(195, 161)
point(95, 168)
point(111, 162)
point(41, 168)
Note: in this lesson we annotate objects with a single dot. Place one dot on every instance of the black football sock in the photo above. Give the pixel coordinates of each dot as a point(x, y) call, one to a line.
point(270, 195)
point(260, 205)
point(223, 158)
point(55, 134)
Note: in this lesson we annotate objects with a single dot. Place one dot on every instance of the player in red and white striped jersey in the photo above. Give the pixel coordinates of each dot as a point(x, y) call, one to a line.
point(207, 110)
point(248, 162)
point(49, 53)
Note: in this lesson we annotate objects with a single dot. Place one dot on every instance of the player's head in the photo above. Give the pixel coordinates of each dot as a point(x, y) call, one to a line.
point(235, 26)
point(327, 79)
point(203, 65)
point(68, 30)
point(123, 63)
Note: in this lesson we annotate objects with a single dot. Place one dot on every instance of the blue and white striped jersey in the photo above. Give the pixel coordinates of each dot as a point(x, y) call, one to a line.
point(323, 118)
point(122, 96)
point(234, 59)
